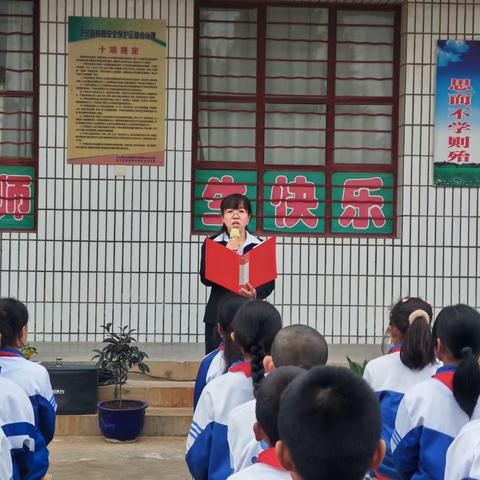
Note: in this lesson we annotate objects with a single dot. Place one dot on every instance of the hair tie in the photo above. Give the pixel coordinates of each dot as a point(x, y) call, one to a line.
point(418, 314)
point(467, 351)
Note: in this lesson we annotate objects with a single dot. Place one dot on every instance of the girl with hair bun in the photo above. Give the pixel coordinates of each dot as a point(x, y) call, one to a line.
point(30, 376)
point(410, 361)
point(432, 413)
point(254, 328)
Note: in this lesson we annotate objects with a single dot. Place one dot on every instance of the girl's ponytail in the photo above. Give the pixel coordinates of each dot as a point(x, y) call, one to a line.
point(466, 382)
point(417, 350)
point(257, 354)
point(412, 317)
point(255, 326)
point(458, 328)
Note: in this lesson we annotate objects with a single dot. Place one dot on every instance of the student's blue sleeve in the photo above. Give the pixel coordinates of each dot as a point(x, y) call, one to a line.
point(199, 439)
point(201, 379)
point(45, 416)
point(405, 442)
point(28, 449)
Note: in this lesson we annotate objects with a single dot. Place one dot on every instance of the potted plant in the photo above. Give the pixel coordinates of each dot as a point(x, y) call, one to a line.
point(357, 367)
point(120, 420)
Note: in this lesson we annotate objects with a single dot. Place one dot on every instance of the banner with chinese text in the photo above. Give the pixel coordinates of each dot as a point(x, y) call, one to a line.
point(294, 202)
point(362, 203)
point(17, 197)
point(457, 115)
point(211, 186)
point(116, 91)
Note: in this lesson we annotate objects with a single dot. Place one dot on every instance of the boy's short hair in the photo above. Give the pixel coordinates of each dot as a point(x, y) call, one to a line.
point(330, 422)
point(299, 345)
point(268, 399)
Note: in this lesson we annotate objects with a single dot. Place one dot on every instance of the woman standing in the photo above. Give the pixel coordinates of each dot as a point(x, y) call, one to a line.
point(236, 212)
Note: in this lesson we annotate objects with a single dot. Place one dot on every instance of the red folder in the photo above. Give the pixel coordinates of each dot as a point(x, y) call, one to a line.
point(231, 270)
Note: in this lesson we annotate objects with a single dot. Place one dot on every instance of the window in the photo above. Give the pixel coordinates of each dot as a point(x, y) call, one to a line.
point(18, 114)
point(297, 108)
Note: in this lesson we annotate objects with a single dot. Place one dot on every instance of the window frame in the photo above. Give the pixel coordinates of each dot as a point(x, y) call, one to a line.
point(34, 94)
point(260, 98)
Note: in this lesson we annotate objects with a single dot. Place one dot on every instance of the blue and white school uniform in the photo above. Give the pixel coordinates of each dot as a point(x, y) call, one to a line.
point(390, 379)
point(463, 455)
point(243, 446)
point(6, 469)
point(428, 419)
point(267, 467)
point(212, 366)
point(26, 445)
point(34, 379)
point(207, 454)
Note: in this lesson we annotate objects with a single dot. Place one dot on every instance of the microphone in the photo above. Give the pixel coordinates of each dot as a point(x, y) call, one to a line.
point(234, 234)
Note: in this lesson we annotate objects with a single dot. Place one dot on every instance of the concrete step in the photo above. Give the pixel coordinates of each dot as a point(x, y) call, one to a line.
point(158, 393)
point(164, 422)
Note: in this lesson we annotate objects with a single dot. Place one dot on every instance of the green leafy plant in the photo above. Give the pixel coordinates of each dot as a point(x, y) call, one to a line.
point(118, 356)
point(28, 351)
point(357, 367)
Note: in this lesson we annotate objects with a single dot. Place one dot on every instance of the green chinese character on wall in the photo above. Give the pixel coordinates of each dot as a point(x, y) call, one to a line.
point(17, 195)
point(211, 186)
point(362, 202)
point(294, 201)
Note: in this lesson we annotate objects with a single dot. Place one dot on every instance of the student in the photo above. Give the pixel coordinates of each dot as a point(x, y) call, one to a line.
point(267, 466)
point(217, 362)
point(29, 454)
point(463, 455)
point(295, 345)
point(30, 376)
point(254, 328)
point(6, 469)
point(410, 361)
point(330, 426)
point(432, 413)
point(236, 212)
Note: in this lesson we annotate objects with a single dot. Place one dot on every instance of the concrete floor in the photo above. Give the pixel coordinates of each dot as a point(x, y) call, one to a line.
point(92, 458)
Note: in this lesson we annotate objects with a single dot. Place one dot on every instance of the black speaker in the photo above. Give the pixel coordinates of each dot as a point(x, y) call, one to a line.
point(75, 388)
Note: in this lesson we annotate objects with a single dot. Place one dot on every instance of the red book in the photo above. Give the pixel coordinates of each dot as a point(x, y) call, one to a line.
point(231, 270)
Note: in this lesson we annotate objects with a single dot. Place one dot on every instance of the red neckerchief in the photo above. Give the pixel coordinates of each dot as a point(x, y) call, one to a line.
point(244, 367)
point(395, 348)
point(221, 347)
point(446, 378)
point(10, 353)
point(269, 458)
point(380, 476)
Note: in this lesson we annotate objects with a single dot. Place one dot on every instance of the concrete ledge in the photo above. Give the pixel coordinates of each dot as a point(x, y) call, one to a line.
point(165, 422)
point(167, 394)
point(179, 352)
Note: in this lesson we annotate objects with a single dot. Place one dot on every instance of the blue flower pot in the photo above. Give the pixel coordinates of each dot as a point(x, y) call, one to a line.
point(121, 423)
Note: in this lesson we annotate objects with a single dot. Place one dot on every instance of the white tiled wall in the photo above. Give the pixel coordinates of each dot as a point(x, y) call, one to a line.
point(120, 249)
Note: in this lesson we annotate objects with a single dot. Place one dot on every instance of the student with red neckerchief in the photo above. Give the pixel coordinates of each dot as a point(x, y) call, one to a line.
point(267, 466)
point(432, 413)
point(410, 361)
point(254, 328)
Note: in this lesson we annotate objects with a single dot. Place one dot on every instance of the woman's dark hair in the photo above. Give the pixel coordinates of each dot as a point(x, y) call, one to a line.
point(413, 316)
point(227, 310)
point(13, 317)
point(255, 326)
point(235, 200)
point(458, 327)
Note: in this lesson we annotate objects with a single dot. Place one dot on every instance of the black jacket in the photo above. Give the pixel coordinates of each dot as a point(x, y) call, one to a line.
point(218, 292)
